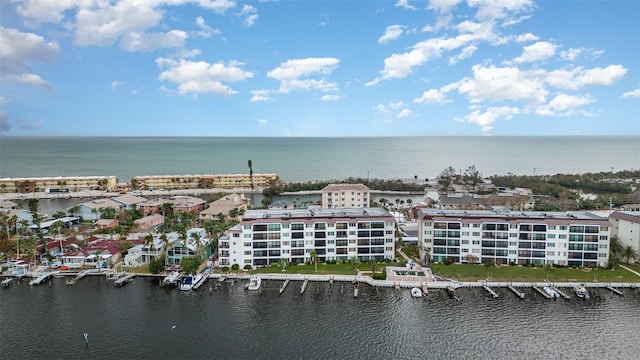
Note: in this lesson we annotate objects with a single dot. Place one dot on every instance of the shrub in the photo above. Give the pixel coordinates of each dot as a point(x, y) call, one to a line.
point(225, 269)
point(248, 266)
point(235, 267)
point(448, 261)
point(156, 265)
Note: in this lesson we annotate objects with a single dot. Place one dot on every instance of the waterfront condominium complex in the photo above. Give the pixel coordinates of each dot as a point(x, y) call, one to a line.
point(226, 181)
point(559, 238)
point(264, 237)
point(57, 183)
point(340, 196)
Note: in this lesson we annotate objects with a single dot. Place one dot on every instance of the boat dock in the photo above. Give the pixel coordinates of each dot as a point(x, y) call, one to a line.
point(7, 282)
point(490, 291)
point(123, 279)
point(78, 276)
point(515, 291)
point(614, 290)
point(284, 285)
point(41, 278)
point(562, 293)
point(355, 289)
point(199, 283)
point(542, 292)
point(304, 286)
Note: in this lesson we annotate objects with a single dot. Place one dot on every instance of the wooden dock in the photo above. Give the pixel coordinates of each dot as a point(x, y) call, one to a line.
point(76, 278)
point(515, 291)
point(304, 286)
point(124, 279)
point(284, 285)
point(355, 289)
point(490, 291)
point(40, 279)
point(425, 290)
point(562, 293)
point(614, 290)
point(542, 292)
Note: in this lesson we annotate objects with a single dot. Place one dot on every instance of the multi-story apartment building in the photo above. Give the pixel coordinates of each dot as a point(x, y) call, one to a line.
point(341, 196)
point(226, 181)
point(264, 237)
point(626, 226)
point(59, 183)
point(560, 238)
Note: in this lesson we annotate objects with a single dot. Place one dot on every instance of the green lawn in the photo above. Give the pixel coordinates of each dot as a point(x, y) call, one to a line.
point(323, 269)
point(466, 272)
point(632, 267)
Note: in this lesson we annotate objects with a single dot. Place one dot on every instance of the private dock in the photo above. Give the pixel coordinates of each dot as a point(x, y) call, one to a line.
point(614, 290)
point(541, 292)
point(304, 286)
point(124, 279)
point(284, 285)
point(78, 276)
point(202, 280)
point(562, 293)
point(425, 290)
point(40, 279)
point(355, 289)
point(516, 291)
point(490, 291)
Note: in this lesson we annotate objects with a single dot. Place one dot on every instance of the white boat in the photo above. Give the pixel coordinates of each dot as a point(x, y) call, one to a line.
point(7, 282)
point(254, 282)
point(416, 292)
point(187, 283)
point(198, 280)
point(554, 294)
point(172, 278)
point(581, 291)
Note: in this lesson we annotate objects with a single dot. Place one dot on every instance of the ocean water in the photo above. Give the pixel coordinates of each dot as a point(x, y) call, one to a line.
point(304, 159)
point(137, 320)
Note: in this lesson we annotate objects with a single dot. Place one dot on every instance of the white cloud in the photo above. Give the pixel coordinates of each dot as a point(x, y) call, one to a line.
point(601, 76)
point(262, 122)
point(396, 105)
point(631, 94)
point(403, 113)
point(431, 96)
point(333, 97)
point(405, 5)
point(205, 30)
point(293, 74)
point(490, 116)
point(464, 54)
point(443, 6)
point(19, 50)
point(507, 10)
point(564, 105)
point(526, 38)
point(115, 84)
point(195, 77)
point(134, 41)
point(536, 52)
point(250, 15)
point(503, 83)
point(260, 95)
point(392, 32)
point(381, 108)
point(570, 54)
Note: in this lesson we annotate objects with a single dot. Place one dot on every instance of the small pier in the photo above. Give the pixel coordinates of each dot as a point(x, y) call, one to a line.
point(222, 279)
point(542, 292)
point(78, 276)
point(425, 290)
point(614, 290)
point(355, 289)
point(490, 291)
point(561, 293)
point(124, 279)
point(330, 285)
point(200, 282)
point(452, 292)
point(304, 286)
point(516, 291)
point(40, 279)
point(396, 286)
point(284, 285)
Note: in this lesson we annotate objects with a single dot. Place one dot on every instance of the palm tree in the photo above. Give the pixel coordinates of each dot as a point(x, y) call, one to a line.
point(314, 258)
point(195, 236)
point(615, 246)
point(250, 164)
point(628, 253)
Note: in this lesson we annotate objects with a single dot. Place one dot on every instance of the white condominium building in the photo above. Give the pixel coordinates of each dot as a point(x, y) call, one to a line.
point(341, 196)
point(523, 238)
point(264, 237)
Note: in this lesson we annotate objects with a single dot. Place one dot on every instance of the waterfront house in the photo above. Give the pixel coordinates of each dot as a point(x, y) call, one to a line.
point(571, 238)
point(21, 216)
point(224, 206)
point(99, 254)
point(6, 206)
point(626, 226)
point(106, 223)
point(66, 221)
point(153, 206)
point(195, 242)
point(264, 237)
point(187, 204)
point(339, 196)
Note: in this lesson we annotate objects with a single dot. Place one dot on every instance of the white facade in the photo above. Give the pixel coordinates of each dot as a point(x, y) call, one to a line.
point(573, 238)
point(264, 237)
point(626, 226)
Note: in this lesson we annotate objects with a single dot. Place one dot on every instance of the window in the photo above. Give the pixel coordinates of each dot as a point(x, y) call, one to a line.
point(476, 233)
point(476, 225)
point(551, 236)
point(427, 224)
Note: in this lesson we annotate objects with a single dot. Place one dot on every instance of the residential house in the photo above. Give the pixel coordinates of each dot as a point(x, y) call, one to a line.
point(626, 226)
point(223, 206)
point(106, 223)
point(149, 223)
point(128, 201)
point(91, 210)
point(195, 241)
point(6, 206)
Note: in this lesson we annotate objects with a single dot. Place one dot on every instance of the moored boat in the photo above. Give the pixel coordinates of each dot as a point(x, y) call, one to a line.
point(7, 282)
point(581, 291)
point(187, 283)
point(172, 278)
point(416, 292)
point(552, 293)
point(254, 282)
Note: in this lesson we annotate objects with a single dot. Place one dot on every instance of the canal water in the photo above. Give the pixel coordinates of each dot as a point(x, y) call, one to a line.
point(145, 321)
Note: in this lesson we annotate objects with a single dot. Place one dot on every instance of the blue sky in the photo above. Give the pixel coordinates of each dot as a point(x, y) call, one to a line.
point(319, 68)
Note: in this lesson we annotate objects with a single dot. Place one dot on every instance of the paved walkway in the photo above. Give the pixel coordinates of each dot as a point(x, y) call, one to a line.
point(628, 269)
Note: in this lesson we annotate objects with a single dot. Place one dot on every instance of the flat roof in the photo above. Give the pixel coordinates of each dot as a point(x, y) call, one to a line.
point(566, 215)
point(315, 212)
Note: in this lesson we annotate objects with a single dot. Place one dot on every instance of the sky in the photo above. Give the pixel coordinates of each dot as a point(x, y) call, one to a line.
point(319, 68)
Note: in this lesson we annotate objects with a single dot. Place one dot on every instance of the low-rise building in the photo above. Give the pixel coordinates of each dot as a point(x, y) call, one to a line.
point(523, 238)
point(149, 223)
point(58, 183)
point(178, 204)
point(224, 181)
point(224, 206)
point(340, 196)
point(264, 237)
point(196, 242)
point(91, 210)
point(106, 223)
